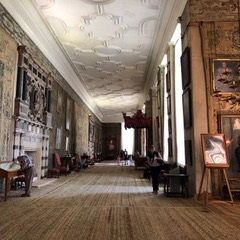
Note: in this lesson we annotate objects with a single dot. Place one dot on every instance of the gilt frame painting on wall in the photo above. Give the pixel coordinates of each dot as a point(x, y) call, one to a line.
point(225, 75)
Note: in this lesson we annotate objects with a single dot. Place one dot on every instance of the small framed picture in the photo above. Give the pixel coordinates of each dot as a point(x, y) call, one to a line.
point(188, 152)
point(169, 104)
point(68, 114)
point(170, 150)
point(58, 138)
point(59, 102)
point(187, 111)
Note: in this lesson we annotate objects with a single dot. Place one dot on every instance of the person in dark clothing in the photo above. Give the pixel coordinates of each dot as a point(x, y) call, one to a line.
point(155, 162)
point(125, 156)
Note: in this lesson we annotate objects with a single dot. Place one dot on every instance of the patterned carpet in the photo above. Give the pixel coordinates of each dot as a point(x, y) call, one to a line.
point(110, 202)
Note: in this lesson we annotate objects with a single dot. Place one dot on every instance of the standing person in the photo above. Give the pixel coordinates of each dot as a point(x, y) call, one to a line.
point(27, 168)
point(155, 162)
point(125, 153)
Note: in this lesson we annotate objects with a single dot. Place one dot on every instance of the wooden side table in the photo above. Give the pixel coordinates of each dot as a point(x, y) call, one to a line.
point(7, 171)
point(175, 184)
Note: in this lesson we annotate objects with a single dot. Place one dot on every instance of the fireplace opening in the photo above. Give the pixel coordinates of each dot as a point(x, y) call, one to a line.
point(35, 154)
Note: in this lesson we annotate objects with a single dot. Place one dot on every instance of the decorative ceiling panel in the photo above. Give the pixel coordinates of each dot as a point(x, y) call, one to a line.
point(107, 50)
point(108, 43)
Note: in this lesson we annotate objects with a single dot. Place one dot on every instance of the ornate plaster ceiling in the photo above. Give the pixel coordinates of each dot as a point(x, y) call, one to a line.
point(113, 46)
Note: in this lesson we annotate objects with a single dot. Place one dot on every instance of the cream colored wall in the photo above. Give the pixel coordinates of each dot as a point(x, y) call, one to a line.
point(199, 108)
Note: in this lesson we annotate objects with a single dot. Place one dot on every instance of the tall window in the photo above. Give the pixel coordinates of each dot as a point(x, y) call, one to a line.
point(127, 139)
point(178, 97)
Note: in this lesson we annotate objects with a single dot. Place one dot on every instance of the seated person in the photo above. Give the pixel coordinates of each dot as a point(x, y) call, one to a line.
point(27, 169)
point(136, 155)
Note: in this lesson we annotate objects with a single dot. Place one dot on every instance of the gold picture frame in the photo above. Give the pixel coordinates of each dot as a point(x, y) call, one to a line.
point(225, 75)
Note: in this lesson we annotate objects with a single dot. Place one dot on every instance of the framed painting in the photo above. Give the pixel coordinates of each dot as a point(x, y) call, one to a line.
point(68, 114)
point(169, 125)
point(188, 152)
point(169, 104)
point(229, 125)
point(168, 81)
point(59, 102)
point(170, 150)
point(58, 138)
point(187, 109)
point(225, 75)
point(214, 150)
point(185, 67)
point(67, 144)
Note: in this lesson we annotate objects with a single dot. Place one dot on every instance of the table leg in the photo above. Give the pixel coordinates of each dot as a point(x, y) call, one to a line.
point(7, 187)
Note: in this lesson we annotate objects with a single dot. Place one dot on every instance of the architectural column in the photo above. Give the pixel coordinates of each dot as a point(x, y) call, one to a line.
point(45, 150)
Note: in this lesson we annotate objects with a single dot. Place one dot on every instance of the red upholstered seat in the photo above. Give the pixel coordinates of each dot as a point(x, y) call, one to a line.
point(54, 172)
point(63, 170)
point(58, 169)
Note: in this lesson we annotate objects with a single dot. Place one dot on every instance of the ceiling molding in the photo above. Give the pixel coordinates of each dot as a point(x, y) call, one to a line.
point(108, 51)
point(31, 22)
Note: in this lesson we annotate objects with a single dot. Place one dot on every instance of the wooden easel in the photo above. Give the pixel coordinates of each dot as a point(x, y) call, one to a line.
point(205, 193)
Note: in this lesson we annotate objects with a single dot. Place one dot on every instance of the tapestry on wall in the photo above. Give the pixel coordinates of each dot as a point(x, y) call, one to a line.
point(8, 58)
point(81, 131)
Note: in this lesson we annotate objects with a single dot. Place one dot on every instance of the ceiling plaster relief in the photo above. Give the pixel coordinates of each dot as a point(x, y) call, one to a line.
point(108, 43)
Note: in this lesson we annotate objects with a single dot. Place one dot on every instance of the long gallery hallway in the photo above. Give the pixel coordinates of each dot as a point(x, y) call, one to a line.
point(110, 202)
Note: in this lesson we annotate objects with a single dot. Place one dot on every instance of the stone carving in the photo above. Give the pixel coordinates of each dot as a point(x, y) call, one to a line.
point(37, 103)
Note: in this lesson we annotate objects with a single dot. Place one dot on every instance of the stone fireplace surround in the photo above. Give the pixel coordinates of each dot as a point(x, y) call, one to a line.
point(32, 111)
point(32, 139)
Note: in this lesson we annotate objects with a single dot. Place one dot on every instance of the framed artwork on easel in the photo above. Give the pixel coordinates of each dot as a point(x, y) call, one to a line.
point(214, 151)
point(215, 157)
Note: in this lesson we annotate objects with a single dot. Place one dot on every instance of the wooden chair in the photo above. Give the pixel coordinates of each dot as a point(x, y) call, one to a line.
point(58, 169)
point(63, 169)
